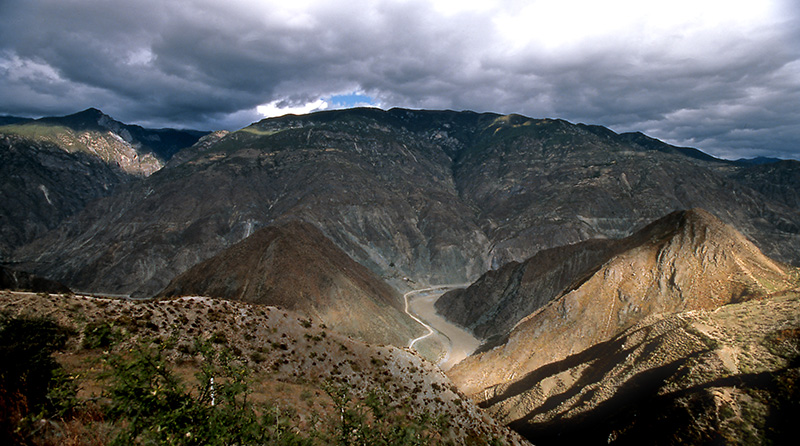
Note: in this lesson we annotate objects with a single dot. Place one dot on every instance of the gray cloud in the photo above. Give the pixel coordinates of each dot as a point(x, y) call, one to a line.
point(728, 84)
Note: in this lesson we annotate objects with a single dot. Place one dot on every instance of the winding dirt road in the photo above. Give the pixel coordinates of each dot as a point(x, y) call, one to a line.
point(458, 343)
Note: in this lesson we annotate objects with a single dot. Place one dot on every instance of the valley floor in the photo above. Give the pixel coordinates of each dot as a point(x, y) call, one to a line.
point(455, 343)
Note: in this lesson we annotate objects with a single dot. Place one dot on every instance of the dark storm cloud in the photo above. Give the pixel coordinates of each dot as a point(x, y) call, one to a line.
point(714, 80)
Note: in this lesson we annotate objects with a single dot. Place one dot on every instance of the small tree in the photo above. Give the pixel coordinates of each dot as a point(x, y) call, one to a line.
point(154, 406)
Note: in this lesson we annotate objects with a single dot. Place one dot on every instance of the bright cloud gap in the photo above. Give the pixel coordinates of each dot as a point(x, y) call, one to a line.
point(628, 65)
point(282, 107)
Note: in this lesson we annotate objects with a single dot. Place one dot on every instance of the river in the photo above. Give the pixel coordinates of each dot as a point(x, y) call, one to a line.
point(458, 343)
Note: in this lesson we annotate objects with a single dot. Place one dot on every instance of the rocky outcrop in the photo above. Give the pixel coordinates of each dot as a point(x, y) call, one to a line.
point(295, 266)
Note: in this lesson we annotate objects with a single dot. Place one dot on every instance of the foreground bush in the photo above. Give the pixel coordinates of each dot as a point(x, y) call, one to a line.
point(32, 383)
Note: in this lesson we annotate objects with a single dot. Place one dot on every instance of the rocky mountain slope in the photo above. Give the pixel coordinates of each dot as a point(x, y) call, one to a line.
point(41, 185)
point(50, 168)
point(727, 376)
point(499, 299)
point(132, 148)
point(780, 180)
point(686, 261)
point(292, 361)
point(436, 197)
point(295, 266)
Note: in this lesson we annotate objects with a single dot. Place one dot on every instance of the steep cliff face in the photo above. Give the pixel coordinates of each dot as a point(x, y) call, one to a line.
point(688, 260)
point(435, 197)
point(295, 266)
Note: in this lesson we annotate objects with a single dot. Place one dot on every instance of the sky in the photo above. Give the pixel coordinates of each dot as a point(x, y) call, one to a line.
point(719, 75)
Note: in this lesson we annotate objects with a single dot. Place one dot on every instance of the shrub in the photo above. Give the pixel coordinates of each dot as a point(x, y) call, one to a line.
point(32, 383)
point(100, 335)
point(152, 405)
point(378, 420)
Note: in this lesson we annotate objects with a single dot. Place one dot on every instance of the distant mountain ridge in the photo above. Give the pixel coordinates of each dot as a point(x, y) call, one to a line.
point(52, 167)
point(432, 196)
point(41, 185)
point(134, 149)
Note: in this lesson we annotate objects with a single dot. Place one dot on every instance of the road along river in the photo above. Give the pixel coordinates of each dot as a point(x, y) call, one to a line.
point(458, 343)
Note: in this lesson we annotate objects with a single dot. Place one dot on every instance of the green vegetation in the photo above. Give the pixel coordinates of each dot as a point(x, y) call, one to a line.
point(377, 420)
point(40, 132)
point(145, 400)
point(151, 404)
point(100, 335)
point(32, 384)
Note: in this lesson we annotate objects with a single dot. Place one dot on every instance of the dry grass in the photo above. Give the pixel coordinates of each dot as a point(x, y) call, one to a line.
point(289, 356)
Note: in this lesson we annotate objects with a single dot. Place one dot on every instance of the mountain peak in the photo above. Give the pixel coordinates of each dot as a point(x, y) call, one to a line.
point(91, 111)
point(693, 225)
point(294, 265)
point(688, 260)
point(89, 119)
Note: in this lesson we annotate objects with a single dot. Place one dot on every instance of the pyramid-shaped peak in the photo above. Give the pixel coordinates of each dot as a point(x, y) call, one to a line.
point(89, 119)
point(699, 242)
point(695, 223)
point(91, 111)
point(699, 223)
point(702, 216)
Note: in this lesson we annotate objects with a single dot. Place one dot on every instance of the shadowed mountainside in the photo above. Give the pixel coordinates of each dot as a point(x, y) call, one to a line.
point(21, 281)
point(779, 180)
point(51, 168)
point(295, 266)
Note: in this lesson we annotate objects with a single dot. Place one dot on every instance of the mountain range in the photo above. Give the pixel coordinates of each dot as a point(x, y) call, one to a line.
point(621, 286)
point(433, 197)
